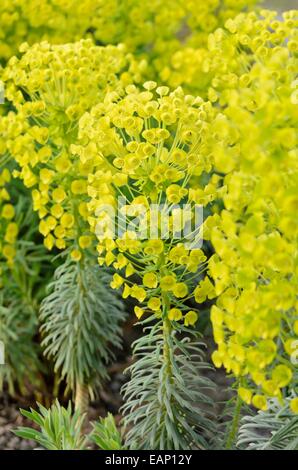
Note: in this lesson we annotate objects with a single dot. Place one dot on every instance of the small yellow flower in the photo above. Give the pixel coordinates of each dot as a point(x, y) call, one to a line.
point(76, 255)
point(138, 293)
point(154, 247)
point(216, 359)
point(150, 280)
point(294, 405)
point(46, 176)
point(167, 283)
point(79, 187)
point(180, 290)
point(67, 220)
point(117, 281)
point(85, 241)
point(282, 375)
point(260, 402)
point(49, 242)
point(58, 195)
point(129, 270)
point(139, 312)
point(174, 314)
point(190, 318)
point(8, 212)
point(245, 394)
point(154, 304)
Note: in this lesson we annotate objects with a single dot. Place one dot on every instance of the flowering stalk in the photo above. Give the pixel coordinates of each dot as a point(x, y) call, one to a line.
point(154, 137)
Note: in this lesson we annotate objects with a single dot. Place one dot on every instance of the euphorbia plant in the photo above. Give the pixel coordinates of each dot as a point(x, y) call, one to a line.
point(255, 321)
point(48, 96)
point(151, 149)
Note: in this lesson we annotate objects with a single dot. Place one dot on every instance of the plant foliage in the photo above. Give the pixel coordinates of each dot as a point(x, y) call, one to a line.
point(106, 435)
point(60, 429)
point(81, 321)
point(273, 429)
point(167, 400)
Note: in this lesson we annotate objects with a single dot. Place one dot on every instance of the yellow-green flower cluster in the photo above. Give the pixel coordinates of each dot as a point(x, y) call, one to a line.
point(157, 23)
point(50, 88)
point(59, 21)
point(148, 27)
point(167, 33)
point(8, 226)
point(140, 25)
point(199, 67)
point(148, 146)
point(255, 269)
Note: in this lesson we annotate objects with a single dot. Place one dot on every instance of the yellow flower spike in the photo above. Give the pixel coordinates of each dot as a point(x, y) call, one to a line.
point(254, 295)
point(61, 84)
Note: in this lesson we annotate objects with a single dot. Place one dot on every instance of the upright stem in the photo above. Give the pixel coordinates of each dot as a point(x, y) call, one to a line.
point(235, 424)
point(81, 398)
point(81, 389)
point(166, 331)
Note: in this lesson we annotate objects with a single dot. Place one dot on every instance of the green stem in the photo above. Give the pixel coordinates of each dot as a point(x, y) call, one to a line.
point(235, 424)
point(166, 352)
point(81, 389)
